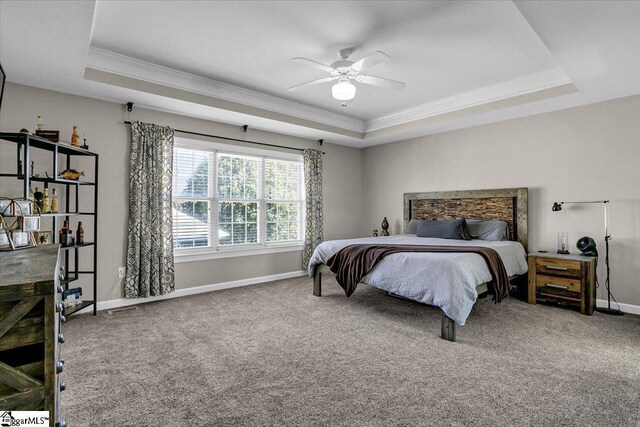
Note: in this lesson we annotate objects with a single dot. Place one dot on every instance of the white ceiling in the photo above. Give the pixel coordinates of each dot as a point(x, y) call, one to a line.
point(235, 56)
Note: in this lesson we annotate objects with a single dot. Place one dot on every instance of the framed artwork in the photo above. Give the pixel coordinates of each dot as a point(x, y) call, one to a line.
point(5, 206)
point(22, 207)
point(42, 237)
point(4, 240)
point(20, 238)
point(30, 223)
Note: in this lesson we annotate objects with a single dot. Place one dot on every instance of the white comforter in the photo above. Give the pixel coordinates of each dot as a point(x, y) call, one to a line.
point(446, 280)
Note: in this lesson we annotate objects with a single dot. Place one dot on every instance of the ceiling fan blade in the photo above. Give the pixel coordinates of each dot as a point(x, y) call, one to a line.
point(314, 64)
point(369, 61)
point(311, 83)
point(380, 81)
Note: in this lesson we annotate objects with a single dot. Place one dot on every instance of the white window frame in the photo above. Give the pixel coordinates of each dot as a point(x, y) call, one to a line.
point(215, 251)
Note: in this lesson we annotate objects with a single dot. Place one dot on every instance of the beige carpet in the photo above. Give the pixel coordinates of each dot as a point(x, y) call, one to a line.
point(273, 354)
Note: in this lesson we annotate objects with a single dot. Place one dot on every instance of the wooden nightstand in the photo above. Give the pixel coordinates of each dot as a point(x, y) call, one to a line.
point(563, 278)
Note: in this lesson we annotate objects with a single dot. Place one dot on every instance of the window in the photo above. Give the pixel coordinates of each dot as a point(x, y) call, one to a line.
point(225, 200)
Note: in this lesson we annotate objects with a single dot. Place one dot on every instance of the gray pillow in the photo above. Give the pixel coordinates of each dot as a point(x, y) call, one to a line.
point(453, 229)
point(412, 227)
point(491, 230)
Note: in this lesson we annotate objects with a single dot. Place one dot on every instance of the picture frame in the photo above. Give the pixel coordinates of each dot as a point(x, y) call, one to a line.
point(30, 223)
point(22, 207)
point(5, 206)
point(21, 238)
point(4, 240)
point(43, 237)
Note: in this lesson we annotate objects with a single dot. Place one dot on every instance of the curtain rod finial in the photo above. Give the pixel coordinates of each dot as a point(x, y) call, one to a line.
point(129, 106)
point(244, 128)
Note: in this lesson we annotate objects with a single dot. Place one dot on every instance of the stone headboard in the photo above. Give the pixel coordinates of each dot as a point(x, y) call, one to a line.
point(505, 204)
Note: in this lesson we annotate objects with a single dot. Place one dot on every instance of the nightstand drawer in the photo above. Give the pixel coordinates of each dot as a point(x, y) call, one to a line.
point(550, 284)
point(558, 267)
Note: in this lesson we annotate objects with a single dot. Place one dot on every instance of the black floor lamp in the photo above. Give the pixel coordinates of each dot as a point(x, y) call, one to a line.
point(557, 206)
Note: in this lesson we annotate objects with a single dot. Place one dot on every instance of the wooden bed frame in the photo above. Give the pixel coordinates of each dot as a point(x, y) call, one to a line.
point(505, 204)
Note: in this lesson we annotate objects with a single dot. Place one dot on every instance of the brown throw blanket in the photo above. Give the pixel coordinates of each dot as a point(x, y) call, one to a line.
point(352, 263)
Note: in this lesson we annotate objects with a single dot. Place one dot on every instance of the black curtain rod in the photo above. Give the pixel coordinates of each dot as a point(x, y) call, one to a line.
point(233, 139)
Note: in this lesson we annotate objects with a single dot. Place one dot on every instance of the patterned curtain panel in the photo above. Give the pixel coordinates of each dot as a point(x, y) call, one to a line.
point(313, 183)
point(150, 246)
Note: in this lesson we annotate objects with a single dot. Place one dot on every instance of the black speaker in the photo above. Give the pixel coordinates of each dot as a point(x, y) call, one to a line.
point(587, 246)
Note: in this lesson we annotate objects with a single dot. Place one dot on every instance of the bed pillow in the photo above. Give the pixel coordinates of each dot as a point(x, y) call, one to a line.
point(453, 229)
point(491, 230)
point(412, 227)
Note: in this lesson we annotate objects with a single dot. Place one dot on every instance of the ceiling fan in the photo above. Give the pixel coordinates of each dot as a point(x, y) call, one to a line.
point(346, 71)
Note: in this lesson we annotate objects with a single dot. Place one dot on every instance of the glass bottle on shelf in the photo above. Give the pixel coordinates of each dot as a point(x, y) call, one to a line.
point(62, 235)
point(70, 240)
point(80, 234)
point(39, 125)
point(54, 201)
point(46, 202)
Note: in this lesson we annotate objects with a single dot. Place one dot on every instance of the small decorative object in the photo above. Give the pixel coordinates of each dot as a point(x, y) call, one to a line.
point(563, 242)
point(84, 142)
point(54, 201)
point(75, 138)
point(33, 174)
point(25, 130)
point(51, 135)
point(42, 237)
point(71, 174)
point(587, 246)
point(39, 125)
point(72, 297)
point(37, 198)
point(385, 227)
point(30, 223)
point(46, 202)
point(375, 233)
point(80, 234)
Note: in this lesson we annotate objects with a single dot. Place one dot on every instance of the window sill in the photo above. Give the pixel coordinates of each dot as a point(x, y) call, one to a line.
point(203, 255)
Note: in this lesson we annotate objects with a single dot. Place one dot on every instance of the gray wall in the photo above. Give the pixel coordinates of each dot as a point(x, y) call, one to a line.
point(585, 153)
point(109, 137)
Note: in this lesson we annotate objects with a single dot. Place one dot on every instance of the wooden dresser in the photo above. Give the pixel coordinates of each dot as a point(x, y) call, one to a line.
point(563, 278)
point(30, 338)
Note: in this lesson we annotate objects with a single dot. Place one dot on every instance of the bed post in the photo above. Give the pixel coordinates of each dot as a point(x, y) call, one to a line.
point(448, 329)
point(317, 282)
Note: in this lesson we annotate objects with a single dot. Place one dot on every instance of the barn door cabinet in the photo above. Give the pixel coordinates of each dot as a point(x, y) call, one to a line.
point(30, 333)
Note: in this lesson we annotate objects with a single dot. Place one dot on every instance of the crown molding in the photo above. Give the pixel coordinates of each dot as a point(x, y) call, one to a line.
point(531, 83)
point(111, 62)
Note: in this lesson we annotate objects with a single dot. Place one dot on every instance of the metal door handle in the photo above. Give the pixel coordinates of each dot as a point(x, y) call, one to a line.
point(551, 285)
point(553, 267)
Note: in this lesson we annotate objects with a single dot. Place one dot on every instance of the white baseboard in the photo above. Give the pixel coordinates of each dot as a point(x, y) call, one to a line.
point(124, 302)
point(627, 308)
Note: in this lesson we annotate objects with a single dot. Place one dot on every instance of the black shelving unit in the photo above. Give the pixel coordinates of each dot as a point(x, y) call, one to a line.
point(24, 144)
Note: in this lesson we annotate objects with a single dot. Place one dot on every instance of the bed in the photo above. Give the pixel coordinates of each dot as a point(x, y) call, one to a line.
point(449, 281)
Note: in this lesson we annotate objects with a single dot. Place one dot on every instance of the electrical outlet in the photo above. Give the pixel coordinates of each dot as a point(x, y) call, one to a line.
point(121, 272)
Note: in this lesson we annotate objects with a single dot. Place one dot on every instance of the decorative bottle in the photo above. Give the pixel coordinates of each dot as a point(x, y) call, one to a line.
point(75, 138)
point(80, 234)
point(62, 235)
point(39, 125)
point(54, 201)
point(46, 202)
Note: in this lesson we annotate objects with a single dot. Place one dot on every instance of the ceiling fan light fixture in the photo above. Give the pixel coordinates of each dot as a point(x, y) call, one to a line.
point(344, 90)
